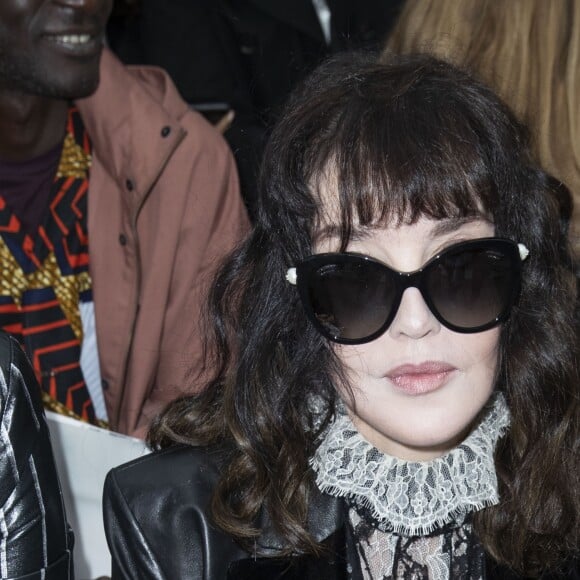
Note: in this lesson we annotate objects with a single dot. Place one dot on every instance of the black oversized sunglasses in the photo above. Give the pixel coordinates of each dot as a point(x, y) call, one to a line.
point(469, 287)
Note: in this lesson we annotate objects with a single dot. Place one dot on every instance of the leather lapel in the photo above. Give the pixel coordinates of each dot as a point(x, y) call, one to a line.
point(326, 515)
point(332, 565)
point(329, 526)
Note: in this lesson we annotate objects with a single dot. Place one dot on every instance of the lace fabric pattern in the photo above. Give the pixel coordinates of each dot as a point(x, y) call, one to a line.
point(452, 552)
point(412, 498)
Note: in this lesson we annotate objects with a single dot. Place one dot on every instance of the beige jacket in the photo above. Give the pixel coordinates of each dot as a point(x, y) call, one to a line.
point(164, 207)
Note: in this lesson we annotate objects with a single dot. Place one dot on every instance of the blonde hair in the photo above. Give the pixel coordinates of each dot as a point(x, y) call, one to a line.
point(528, 51)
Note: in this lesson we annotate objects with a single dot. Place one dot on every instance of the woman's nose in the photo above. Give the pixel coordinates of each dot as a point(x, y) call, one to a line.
point(413, 318)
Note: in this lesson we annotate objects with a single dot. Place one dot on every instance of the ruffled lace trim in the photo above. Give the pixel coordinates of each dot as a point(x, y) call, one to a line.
point(413, 498)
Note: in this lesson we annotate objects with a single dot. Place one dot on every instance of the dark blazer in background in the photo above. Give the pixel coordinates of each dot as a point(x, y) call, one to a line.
point(246, 54)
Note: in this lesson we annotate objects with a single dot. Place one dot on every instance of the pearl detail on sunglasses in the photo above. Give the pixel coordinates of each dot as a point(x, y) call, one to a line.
point(524, 252)
point(291, 276)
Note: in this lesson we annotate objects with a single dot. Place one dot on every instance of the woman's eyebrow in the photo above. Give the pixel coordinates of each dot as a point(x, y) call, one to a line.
point(442, 227)
point(451, 225)
point(335, 231)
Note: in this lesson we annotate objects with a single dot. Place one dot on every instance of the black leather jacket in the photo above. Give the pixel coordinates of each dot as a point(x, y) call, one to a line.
point(157, 527)
point(35, 540)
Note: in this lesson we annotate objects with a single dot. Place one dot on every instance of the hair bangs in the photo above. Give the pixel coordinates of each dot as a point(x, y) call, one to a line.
point(388, 155)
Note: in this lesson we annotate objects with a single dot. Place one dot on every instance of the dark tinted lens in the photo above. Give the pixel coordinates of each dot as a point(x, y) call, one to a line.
point(351, 300)
point(471, 288)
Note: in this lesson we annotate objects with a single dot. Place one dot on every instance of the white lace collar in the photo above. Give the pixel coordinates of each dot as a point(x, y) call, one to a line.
point(412, 498)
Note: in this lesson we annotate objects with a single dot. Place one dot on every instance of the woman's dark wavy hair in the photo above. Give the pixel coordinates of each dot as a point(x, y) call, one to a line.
point(410, 138)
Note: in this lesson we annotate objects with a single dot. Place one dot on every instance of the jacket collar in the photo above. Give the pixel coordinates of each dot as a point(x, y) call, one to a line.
point(333, 564)
point(327, 523)
point(128, 122)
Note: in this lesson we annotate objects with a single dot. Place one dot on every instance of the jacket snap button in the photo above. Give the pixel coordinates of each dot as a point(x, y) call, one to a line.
point(165, 131)
point(129, 185)
point(123, 239)
point(104, 384)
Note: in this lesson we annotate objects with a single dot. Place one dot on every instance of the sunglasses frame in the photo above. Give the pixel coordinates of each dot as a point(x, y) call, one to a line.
point(300, 276)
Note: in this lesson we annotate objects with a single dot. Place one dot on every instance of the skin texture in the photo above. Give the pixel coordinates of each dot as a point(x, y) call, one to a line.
point(41, 69)
point(424, 414)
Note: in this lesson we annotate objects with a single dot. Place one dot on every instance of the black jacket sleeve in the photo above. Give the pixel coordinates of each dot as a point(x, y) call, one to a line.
point(35, 539)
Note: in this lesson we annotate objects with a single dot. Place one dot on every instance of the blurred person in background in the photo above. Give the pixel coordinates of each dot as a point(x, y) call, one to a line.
point(528, 51)
point(116, 201)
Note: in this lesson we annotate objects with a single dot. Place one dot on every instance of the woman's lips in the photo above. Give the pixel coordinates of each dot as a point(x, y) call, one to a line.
point(422, 378)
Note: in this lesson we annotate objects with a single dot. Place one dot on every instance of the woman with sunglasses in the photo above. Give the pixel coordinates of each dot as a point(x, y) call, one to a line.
point(397, 355)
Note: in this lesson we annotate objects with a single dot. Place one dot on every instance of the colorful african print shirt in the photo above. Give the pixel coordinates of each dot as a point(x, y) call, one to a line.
point(45, 275)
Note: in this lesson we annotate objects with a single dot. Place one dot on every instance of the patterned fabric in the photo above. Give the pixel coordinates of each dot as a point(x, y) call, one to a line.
point(452, 551)
point(412, 520)
point(45, 276)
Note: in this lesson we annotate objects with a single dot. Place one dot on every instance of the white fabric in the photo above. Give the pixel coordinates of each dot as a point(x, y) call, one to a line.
point(413, 498)
point(90, 359)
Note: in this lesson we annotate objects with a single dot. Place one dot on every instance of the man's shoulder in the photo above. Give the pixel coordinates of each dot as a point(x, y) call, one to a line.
point(141, 129)
point(141, 106)
point(150, 82)
point(159, 87)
